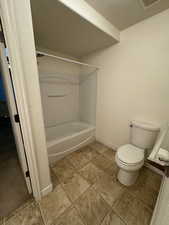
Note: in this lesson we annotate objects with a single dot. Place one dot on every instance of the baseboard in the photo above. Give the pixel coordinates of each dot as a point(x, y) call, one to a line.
point(47, 190)
point(107, 143)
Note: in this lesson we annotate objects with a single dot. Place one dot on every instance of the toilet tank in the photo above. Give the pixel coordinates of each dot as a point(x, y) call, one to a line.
point(143, 134)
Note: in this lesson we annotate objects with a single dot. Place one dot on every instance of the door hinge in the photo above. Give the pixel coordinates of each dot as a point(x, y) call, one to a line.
point(16, 117)
point(27, 173)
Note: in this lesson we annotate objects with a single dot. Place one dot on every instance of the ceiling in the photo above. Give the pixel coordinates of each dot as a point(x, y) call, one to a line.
point(124, 13)
point(60, 29)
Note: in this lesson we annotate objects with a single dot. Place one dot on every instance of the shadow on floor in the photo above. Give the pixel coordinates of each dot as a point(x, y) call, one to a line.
point(13, 190)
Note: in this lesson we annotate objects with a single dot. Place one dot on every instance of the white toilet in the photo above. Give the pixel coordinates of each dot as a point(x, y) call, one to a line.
point(130, 157)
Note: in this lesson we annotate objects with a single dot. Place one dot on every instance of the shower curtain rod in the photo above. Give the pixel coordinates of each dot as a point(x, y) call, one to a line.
point(66, 59)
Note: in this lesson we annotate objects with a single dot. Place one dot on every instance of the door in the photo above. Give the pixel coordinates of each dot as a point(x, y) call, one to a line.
point(12, 107)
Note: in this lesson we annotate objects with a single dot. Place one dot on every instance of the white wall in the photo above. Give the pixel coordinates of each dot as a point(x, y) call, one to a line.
point(133, 82)
point(59, 78)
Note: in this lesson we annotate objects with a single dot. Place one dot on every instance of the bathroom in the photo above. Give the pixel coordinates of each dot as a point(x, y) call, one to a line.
point(98, 82)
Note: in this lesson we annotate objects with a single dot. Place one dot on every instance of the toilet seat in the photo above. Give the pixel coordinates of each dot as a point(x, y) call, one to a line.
point(128, 167)
point(130, 155)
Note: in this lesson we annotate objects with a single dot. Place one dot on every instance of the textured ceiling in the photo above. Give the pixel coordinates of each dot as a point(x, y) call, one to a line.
point(124, 13)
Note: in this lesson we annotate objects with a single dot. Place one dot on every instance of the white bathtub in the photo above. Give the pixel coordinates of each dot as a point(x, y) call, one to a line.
point(66, 138)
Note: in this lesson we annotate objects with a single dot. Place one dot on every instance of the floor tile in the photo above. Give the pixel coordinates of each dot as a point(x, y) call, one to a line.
point(54, 204)
point(69, 217)
point(110, 154)
point(27, 215)
point(63, 169)
point(147, 195)
point(112, 170)
point(79, 158)
point(132, 211)
point(103, 163)
point(92, 173)
point(75, 186)
point(110, 190)
point(112, 219)
point(150, 179)
point(145, 188)
point(98, 147)
point(90, 153)
point(87, 192)
point(92, 207)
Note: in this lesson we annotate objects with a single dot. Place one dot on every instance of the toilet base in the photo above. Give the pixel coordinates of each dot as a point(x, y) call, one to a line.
point(127, 178)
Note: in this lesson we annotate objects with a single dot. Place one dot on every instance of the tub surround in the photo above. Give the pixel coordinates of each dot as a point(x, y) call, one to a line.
point(68, 94)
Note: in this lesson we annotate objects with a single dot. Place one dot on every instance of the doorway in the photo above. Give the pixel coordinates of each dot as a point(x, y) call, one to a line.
point(15, 186)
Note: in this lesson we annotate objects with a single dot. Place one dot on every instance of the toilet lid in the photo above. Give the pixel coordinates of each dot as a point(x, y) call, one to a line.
point(130, 154)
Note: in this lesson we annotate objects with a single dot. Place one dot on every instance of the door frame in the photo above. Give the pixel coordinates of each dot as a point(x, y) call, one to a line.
point(8, 13)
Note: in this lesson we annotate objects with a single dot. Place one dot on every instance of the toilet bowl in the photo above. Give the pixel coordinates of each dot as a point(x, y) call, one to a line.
point(130, 157)
point(129, 160)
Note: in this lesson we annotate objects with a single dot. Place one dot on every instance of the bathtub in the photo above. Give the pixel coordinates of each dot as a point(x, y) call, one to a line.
point(66, 138)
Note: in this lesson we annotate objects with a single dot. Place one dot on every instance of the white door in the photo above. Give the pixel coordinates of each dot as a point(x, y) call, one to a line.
point(12, 107)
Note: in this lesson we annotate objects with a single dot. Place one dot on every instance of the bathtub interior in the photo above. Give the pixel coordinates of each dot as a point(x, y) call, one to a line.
point(66, 138)
point(66, 130)
point(68, 93)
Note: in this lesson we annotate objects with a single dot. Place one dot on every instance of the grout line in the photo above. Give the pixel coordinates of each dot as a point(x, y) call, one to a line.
point(84, 222)
point(73, 203)
point(91, 185)
point(140, 200)
point(77, 170)
point(42, 214)
point(118, 215)
point(69, 207)
point(24, 205)
point(67, 158)
point(76, 201)
point(112, 210)
point(83, 165)
point(108, 206)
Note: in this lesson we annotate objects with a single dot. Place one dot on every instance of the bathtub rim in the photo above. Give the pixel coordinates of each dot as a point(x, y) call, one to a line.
point(60, 140)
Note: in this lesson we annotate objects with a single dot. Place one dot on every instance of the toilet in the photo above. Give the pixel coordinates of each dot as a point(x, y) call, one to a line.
point(130, 157)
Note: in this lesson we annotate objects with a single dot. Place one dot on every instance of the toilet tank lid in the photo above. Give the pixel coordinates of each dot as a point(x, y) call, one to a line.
point(145, 125)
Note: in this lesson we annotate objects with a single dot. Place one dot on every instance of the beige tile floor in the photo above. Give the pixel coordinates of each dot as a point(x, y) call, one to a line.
point(86, 192)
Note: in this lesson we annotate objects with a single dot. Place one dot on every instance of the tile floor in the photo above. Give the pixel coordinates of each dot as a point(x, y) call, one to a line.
point(86, 192)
